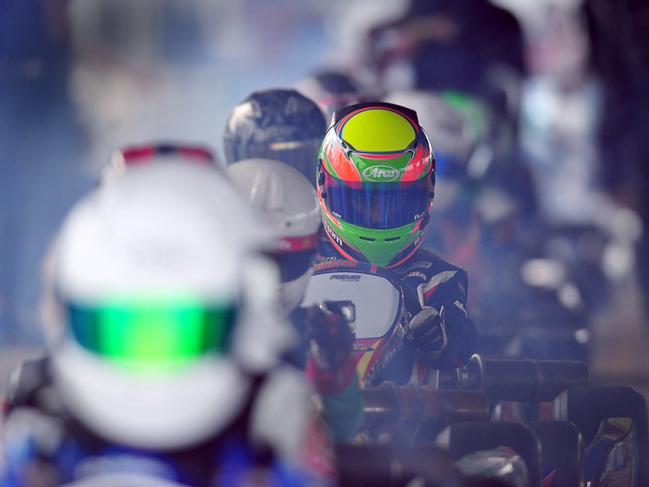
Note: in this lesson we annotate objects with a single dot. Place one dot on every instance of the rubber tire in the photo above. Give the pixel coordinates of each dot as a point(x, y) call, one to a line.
point(562, 447)
point(586, 407)
point(391, 466)
point(461, 439)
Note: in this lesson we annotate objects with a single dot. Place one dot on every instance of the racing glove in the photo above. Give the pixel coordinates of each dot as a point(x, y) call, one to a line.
point(331, 335)
point(331, 370)
point(428, 332)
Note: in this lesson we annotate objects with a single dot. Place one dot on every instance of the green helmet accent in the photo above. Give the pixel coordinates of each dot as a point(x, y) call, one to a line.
point(152, 334)
point(474, 111)
point(377, 246)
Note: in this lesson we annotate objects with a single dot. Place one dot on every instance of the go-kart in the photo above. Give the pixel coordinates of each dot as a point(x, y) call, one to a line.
point(458, 409)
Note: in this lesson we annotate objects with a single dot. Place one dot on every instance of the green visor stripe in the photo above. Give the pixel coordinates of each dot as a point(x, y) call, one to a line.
point(151, 335)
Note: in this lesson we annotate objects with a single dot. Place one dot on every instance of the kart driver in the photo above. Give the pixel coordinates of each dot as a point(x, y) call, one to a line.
point(375, 184)
point(286, 203)
point(164, 347)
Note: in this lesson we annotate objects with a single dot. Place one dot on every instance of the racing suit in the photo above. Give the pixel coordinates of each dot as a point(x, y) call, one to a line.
point(426, 280)
point(45, 446)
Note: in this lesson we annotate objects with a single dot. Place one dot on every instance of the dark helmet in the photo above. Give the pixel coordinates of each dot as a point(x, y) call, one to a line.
point(276, 124)
point(332, 90)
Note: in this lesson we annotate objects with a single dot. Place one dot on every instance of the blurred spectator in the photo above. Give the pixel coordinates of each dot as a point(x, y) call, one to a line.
point(449, 43)
point(619, 33)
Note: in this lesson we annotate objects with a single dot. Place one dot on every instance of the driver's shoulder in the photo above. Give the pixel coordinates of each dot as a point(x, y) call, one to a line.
point(28, 383)
point(428, 263)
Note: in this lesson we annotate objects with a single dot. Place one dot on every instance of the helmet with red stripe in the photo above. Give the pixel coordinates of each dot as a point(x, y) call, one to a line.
point(153, 292)
point(376, 183)
point(286, 202)
point(138, 155)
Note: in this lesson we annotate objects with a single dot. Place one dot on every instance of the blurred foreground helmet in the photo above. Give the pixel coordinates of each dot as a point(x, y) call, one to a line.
point(158, 307)
point(287, 203)
point(276, 124)
point(376, 183)
point(331, 90)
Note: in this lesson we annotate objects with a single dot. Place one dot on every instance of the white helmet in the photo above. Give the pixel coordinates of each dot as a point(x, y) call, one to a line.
point(456, 126)
point(287, 204)
point(159, 307)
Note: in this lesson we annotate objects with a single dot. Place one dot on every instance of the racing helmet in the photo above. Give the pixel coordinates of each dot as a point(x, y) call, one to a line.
point(278, 124)
point(286, 202)
point(331, 90)
point(455, 125)
point(376, 181)
point(158, 313)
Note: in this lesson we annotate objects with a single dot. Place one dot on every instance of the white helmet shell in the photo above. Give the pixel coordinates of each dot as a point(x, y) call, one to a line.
point(147, 229)
point(163, 230)
point(287, 206)
point(284, 198)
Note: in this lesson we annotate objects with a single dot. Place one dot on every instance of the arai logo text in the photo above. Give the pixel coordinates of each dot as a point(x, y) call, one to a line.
point(380, 173)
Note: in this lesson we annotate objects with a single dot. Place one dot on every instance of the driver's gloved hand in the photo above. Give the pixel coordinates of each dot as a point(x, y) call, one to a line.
point(331, 336)
point(428, 332)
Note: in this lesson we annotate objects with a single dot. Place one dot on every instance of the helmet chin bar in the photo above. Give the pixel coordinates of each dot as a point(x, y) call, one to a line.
point(292, 292)
point(163, 412)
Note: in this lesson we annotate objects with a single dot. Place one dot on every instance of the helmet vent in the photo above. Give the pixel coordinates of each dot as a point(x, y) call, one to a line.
point(391, 239)
point(369, 239)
